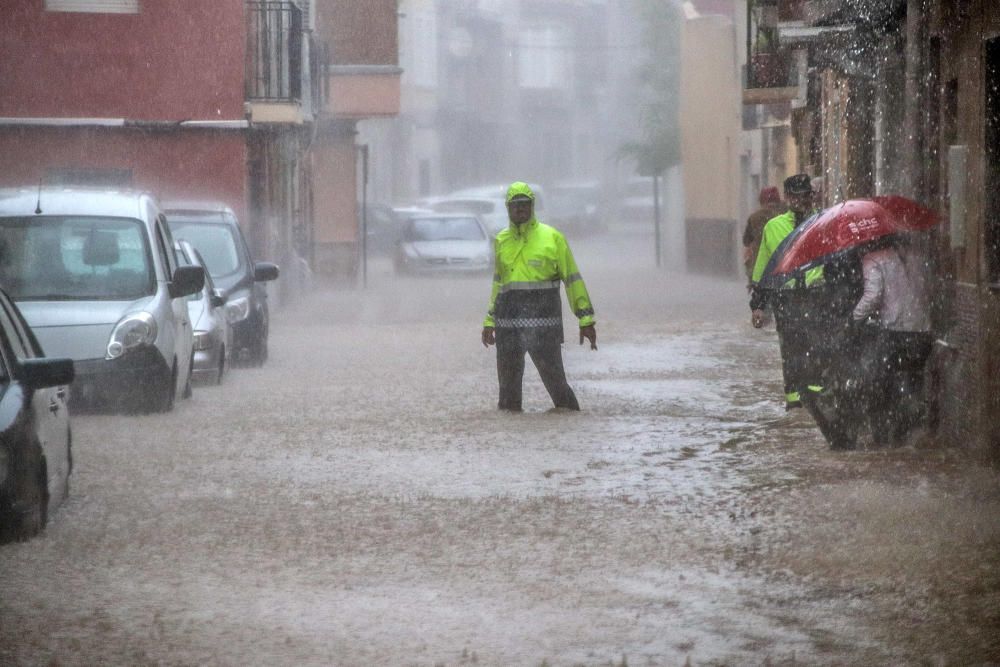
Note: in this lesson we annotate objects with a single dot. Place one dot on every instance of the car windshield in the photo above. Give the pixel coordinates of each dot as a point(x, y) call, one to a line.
point(466, 206)
point(75, 258)
point(217, 244)
point(443, 229)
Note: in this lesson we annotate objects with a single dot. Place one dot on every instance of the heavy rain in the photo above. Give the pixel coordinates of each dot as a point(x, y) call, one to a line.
point(281, 243)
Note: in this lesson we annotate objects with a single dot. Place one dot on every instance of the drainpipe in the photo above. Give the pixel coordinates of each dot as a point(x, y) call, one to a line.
point(913, 140)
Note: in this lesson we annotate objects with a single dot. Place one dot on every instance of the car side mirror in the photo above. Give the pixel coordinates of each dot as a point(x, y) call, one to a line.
point(187, 280)
point(218, 299)
point(265, 271)
point(44, 372)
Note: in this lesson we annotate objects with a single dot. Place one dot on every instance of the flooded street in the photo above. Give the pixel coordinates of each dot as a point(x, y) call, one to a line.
point(360, 501)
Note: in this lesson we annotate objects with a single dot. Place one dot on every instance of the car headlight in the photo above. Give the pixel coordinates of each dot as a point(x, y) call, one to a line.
point(237, 310)
point(135, 330)
point(202, 340)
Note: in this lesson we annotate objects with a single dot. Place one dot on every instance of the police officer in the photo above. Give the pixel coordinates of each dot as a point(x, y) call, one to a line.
point(525, 310)
point(792, 341)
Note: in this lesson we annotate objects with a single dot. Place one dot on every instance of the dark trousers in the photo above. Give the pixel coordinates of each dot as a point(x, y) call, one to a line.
point(896, 361)
point(546, 354)
point(793, 344)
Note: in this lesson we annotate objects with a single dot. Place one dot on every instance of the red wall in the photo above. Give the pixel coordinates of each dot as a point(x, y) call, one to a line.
point(175, 60)
point(190, 164)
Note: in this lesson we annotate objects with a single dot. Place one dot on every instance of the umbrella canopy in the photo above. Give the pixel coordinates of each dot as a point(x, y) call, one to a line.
point(843, 227)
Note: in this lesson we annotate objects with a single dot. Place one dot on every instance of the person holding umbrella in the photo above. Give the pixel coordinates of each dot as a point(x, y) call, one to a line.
point(896, 295)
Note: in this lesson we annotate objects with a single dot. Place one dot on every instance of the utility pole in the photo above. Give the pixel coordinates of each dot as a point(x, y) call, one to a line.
point(363, 149)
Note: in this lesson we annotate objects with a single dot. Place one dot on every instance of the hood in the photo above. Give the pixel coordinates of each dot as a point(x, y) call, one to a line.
point(77, 313)
point(76, 329)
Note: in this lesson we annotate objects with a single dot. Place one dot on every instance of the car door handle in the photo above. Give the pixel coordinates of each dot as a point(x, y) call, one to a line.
point(53, 406)
point(61, 393)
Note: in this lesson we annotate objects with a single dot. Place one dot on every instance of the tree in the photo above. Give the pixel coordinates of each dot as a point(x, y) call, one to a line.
point(659, 73)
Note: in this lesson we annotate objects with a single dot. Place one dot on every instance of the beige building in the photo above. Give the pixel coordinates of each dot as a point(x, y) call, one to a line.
point(711, 142)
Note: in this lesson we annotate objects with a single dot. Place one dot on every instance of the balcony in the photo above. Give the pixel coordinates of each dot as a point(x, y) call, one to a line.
point(274, 61)
point(771, 70)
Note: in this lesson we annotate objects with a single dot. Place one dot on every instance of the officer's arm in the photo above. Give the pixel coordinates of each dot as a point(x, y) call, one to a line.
point(576, 290)
point(488, 321)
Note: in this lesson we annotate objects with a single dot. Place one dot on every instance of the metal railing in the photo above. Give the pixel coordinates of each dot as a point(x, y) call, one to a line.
point(274, 51)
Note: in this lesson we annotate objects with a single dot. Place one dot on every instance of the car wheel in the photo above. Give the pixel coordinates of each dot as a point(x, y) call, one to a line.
point(31, 506)
point(222, 365)
point(258, 349)
point(160, 396)
point(188, 391)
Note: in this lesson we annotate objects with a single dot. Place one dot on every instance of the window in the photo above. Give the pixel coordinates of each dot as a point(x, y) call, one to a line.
point(92, 176)
point(93, 6)
point(217, 244)
point(422, 52)
point(544, 58)
point(20, 346)
point(59, 258)
point(444, 229)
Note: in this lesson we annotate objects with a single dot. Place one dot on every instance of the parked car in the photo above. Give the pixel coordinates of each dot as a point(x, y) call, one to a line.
point(213, 229)
point(384, 226)
point(637, 202)
point(489, 202)
point(439, 243)
point(499, 191)
point(493, 212)
point(577, 207)
point(95, 274)
point(35, 439)
point(213, 337)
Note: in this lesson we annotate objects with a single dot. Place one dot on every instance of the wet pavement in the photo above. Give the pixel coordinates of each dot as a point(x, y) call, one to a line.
point(359, 501)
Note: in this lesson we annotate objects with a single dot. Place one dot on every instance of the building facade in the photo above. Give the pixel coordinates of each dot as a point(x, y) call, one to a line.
point(181, 98)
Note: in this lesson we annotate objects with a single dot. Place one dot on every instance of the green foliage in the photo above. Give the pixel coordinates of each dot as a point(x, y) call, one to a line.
point(659, 72)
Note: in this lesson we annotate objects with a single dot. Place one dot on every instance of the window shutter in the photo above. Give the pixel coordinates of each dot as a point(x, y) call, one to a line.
point(94, 6)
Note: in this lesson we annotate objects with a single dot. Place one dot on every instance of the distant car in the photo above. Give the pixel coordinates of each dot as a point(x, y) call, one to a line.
point(213, 337)
point(637, 202)
point(576, 207)
point(213, 229)
point(440, 243)
point(35, 440)
point(489, 202)
point(384, 225)
point(96, 276)
point(499, 191)
point(493, 212)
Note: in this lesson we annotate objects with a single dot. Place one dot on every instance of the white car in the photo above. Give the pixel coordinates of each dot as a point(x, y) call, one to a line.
point(436, 243)
point(489, 202)
point(96, 276)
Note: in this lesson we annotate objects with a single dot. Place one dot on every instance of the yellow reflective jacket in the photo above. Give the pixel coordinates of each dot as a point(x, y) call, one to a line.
point(532, 259)
point(775, 231)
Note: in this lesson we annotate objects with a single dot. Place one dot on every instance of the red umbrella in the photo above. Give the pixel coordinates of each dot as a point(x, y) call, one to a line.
point(848, 225)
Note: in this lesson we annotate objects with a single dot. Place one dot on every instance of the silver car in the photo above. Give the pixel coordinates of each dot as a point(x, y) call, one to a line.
point(96, 276)
point(213, 337)
point(439, 243)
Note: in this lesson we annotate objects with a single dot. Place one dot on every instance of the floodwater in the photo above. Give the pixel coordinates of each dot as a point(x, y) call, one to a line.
point(359, 501)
